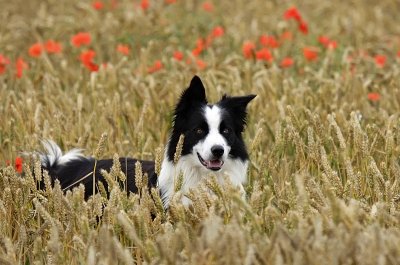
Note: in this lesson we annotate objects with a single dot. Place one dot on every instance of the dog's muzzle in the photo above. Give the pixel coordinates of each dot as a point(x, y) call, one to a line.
point(214, 164)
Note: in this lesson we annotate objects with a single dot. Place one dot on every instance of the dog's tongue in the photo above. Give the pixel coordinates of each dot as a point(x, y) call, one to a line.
point(214, 163)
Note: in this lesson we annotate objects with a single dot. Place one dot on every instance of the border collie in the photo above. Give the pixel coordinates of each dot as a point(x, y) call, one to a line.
point(212, 144)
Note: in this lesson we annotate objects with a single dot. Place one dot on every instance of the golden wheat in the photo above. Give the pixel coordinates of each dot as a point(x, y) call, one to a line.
point(323, 182)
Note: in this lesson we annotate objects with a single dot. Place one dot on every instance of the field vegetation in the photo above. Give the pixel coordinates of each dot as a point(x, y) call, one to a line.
point(323, 133)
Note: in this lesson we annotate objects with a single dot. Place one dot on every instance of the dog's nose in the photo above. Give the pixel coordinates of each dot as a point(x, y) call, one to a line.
point(217, 150)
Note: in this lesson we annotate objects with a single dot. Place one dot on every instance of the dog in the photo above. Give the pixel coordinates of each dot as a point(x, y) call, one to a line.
point(212, 144)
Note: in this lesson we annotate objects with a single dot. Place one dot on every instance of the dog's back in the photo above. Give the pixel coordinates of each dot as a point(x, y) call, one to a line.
point(73, 169)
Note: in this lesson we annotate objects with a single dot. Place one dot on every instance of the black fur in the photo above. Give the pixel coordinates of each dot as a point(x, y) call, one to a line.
point(79, 171)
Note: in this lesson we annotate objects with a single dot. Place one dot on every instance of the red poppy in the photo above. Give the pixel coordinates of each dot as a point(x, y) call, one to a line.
point(124, 49)
point(303, 27)
point(287, 62)
point(52, 46)
point(178, 55)
point(98, 5)
point(92, 66)
point(264, 54)
point(218, 32)
point(81, 38)
point(4, 61)
point(248, 49)
point(20, 66)
point(292, 13)
point(145, 4)
point(269, 41)
point(158, 65)
point(310, 53)
point(208, 6)
point(380, 60)
point(327, 43)
point(18, 164)
point(35, 50)
point(200, 45)
point(324, 40)
point(398, 54)
point(86, 58)
point(373, 96)
point(201, 64)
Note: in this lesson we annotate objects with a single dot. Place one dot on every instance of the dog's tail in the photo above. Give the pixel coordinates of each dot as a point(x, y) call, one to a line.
point(52, 156)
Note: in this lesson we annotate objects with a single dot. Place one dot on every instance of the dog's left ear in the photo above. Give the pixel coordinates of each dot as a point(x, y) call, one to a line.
point(237, 107)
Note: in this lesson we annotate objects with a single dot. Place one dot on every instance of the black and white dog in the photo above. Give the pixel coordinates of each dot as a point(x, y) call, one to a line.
point(213, 144)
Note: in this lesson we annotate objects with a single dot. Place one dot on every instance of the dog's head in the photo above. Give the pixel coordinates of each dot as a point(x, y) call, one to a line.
point(212, 132)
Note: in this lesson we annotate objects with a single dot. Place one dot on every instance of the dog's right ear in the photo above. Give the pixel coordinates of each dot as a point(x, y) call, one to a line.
point(194, 95)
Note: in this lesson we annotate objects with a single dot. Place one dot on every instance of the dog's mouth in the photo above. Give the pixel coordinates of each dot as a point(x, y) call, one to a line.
point(215, 164)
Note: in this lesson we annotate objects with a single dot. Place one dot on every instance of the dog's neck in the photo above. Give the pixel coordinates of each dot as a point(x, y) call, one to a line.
point(192, 175)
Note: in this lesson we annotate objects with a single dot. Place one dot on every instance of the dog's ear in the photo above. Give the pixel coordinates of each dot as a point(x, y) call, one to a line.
point(194, 95)
point(236, 106)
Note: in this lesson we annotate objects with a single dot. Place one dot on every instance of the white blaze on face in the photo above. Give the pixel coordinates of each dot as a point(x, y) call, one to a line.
point(213, 116)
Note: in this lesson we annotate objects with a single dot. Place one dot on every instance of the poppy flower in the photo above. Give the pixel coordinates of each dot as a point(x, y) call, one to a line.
point(324, 40)
point(218, 32)
point(92, 66)
point(380, 60)
point(18, 164)
point(145, 4)
point(269, 41)
point(287, 62)
point(35, 50)
point(398, 54)
point(264, 54)
point(178, 55)
point(200, 45)
point(4, 61)
point(98, 5)
point(20, 66)
point(373, 96)
point(52, 46)
point(86, 58)
point(123, 49)
point(208, 6)
point(303, 27)
point(292, 13)
point(310, 53)
point(332, 45)
point(327, 43)
point(158, 65)
point(81, 39)
point(201, 64)
point(248, 49)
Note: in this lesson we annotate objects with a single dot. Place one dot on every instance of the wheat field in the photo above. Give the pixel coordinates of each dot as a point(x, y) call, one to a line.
point(323, 133)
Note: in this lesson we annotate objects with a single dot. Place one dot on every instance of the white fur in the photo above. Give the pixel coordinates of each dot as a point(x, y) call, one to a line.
point(53, 154)
point(235, 169)
point(191, 168)
point(213, 117)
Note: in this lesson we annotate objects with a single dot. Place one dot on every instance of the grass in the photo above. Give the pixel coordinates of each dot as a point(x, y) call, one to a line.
point(323, 184)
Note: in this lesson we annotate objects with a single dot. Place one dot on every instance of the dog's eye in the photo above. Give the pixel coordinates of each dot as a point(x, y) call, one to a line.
point(199, 131)
point(226, 131)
